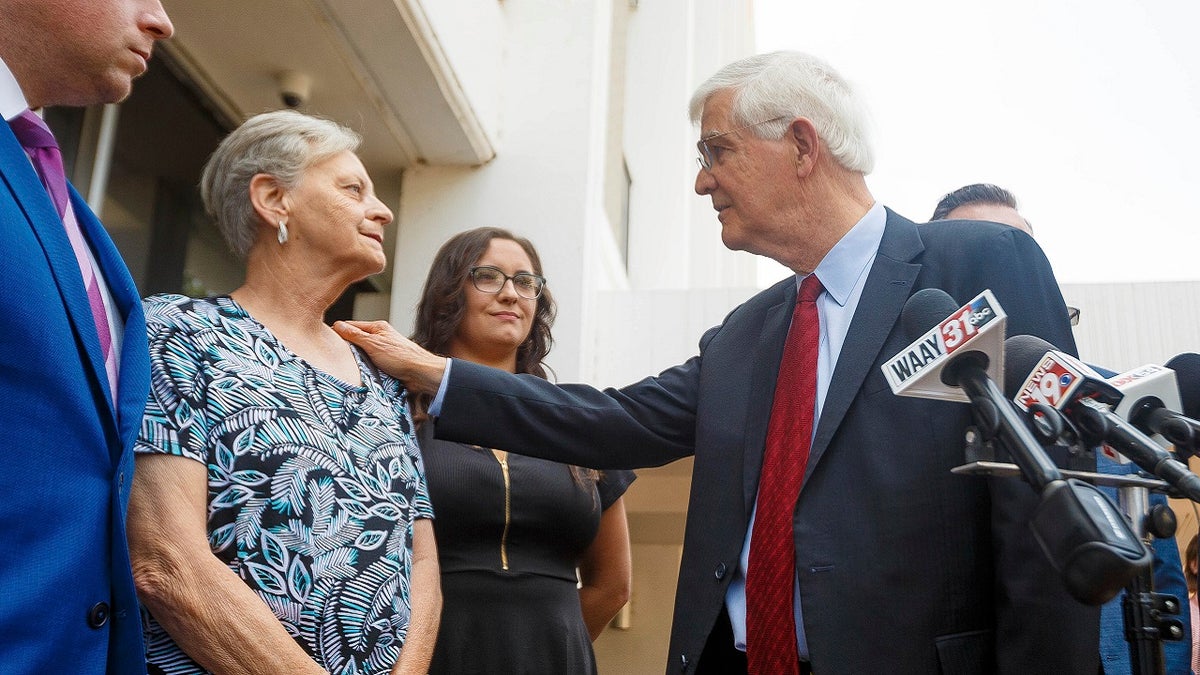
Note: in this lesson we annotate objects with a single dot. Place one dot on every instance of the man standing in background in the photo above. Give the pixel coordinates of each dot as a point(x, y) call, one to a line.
point(983, 201)
point(74, 369)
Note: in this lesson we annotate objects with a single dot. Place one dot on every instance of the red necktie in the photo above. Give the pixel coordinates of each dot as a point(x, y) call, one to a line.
point(771, 572)
point(33, 135)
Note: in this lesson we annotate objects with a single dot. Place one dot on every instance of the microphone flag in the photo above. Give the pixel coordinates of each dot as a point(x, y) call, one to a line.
point(917, 369)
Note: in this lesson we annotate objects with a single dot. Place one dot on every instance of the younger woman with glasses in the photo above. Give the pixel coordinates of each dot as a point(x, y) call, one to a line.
point(513, 531)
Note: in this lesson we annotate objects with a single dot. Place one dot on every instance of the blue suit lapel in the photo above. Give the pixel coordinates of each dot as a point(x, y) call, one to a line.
point(133, 361)
point(776, 321)
point(888, 286)
point(43, 219)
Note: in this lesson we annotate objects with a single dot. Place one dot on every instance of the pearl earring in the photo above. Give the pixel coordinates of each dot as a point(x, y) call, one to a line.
point(283, 234)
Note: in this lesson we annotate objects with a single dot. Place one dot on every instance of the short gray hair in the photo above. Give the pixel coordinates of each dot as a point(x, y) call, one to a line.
point(283, 144)
point(791, 85)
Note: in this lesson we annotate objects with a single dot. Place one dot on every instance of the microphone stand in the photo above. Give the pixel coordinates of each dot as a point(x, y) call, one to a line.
point(1148, 616)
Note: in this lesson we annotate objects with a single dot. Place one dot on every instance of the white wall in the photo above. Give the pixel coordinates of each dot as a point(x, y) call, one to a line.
point(649, 331)
point(471, 36)
point(547, 179)
point(1125, 325)
point(675, 237)
point(541, 183)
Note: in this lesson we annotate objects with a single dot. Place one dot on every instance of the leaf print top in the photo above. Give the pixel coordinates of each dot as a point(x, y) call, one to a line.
point(313, 483)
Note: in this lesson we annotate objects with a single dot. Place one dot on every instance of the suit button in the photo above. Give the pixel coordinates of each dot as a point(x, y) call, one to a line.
point(719, 573)
point(683, 663)
point(98, 615)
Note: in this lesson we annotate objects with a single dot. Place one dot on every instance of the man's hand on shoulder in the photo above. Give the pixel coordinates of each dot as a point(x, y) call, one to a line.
point(421, 371)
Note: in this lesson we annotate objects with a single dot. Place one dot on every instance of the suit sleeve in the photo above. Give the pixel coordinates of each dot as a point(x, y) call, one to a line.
point(1037, 621)
point(648, 423)
point(1039, 308)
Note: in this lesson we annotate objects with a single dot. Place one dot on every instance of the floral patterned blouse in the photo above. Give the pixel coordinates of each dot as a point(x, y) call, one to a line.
point(313, 483)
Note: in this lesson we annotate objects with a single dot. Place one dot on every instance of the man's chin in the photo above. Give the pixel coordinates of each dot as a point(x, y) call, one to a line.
point(119, 91)
point(114, 88)
point(732, 239)
point(111, 90)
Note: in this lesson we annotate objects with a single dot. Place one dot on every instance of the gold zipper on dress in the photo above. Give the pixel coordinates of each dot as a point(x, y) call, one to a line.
point(502, 457)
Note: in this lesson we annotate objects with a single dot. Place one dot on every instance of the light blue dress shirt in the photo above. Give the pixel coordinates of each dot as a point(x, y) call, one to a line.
point(843, 272)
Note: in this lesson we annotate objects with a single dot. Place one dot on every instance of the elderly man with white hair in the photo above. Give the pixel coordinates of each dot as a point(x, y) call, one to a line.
point(825, 531)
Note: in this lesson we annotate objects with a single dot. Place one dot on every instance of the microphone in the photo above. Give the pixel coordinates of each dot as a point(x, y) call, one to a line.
point(1086, 398)
point(1183, 430)
point(1151, 399)
point(917, 369)
point(1082, 534)
point(1187, 374)
point(955, 360)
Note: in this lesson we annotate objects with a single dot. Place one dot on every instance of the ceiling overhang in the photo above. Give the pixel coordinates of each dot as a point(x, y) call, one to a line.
point(375, 65)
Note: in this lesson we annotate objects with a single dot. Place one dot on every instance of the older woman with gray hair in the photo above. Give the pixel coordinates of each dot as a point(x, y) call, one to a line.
point(279, 519)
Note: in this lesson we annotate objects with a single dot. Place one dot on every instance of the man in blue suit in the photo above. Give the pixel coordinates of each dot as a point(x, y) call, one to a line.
point(890, 563)
point(74, 368)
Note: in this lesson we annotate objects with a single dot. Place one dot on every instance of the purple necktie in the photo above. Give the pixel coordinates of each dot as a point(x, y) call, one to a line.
point(39, 143)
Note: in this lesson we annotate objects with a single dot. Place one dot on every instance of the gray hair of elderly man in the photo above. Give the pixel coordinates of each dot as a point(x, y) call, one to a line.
point(788, 85)
point(283, 144)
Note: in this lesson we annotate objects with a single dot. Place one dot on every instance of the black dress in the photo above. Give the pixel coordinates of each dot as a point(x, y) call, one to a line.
point(509, 593)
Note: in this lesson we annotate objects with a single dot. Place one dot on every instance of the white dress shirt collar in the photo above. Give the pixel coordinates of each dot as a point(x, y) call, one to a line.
point(12, 99)
point(844, 266)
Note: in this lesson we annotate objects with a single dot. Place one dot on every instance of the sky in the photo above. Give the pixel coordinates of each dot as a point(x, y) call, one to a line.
point(1088, 111)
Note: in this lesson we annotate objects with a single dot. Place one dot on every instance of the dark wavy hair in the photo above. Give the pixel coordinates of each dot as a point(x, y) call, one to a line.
point(444, 298)
point(444, 302)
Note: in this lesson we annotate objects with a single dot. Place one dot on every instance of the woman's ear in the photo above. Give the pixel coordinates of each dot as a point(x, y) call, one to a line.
point(806, 145)
point(269, 198)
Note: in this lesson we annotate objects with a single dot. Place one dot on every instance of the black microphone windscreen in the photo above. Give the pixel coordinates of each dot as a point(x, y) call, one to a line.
point(1022, 353)
point(925, 309)
point(1187, 376)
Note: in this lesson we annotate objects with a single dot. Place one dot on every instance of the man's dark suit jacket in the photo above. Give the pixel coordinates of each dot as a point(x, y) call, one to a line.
point(903, 567)
point(67, 602)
